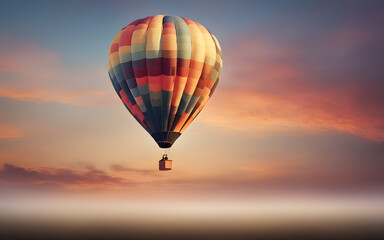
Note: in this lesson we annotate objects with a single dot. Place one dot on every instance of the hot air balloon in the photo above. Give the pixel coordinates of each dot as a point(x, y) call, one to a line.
point(164, 69)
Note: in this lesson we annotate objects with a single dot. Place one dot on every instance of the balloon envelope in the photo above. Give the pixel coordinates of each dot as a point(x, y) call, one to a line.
point(164, 69)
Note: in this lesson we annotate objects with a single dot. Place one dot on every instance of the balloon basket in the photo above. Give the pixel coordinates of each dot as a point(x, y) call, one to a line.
point(165, 164)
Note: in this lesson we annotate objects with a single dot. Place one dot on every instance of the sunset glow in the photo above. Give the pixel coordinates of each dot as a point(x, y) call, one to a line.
point(294, 131)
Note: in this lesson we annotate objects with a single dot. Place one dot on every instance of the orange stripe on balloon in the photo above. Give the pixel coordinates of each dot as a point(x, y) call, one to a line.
point(167, 82)
point(155, 83)
point(178, 90)
point(181, 122)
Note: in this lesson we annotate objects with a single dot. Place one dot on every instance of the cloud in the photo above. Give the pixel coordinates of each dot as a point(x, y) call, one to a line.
point(29, 72)
point(15, 174)
point(274, 175)
point(120, 168)
point(317, 81)
point(88, 176)
point(335, 109)
point(81, 97)
point(8, 131)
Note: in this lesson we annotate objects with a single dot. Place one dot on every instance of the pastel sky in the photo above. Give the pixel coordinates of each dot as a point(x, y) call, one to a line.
point(299, 109)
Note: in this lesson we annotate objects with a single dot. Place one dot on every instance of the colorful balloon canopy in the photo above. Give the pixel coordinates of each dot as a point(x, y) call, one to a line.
point(164, 69)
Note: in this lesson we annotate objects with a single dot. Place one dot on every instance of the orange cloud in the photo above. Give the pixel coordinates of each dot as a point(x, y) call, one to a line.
point(275, 174)
point(337, 110)
point(28, 60)
point(316, 84)
point(46, 78)
point(84, 97)
point(84, 178)
point(14, 174)
point(9, 132)
point(120, 168)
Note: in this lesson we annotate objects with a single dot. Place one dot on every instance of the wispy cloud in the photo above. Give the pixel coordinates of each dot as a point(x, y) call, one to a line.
point(320, 81)
point(8, 131)
point(16, 174)
point(272, 175)
point(29, 72)
point(84, 177)
point(81, 97)
point(120, 168)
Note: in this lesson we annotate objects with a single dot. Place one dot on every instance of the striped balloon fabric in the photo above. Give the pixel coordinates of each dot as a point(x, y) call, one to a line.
point(164, 69)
